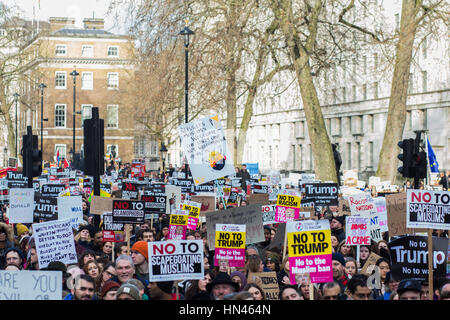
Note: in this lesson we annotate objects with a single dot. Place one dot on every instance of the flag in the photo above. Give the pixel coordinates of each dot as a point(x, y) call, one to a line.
point(65, 163)
point(434, 165)
point(57, 159)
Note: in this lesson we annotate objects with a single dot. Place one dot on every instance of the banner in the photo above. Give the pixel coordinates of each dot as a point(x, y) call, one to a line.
point(357, 231)
point(288, 206)
point(230, 245)
point(410, 257)
point(428, 209)
point(323, 194)
point(176, 260)
point(128, 211)
point(54, 242)
point(30, 285)
point(45, 208)
point(21, 205)
point(194, 212)
point(248, 215)
point(71, 208)
point(309, 249)
point(205, 147)
point(178, 225)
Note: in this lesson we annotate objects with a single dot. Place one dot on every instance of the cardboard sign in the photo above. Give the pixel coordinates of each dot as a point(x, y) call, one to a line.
point(258, 198)
point(30, 285)
point(128, 211)
point(368, 267)
point(288, 206)
point(178, 225)
point(54, 242)
point(205, 147)
point(176, 260)
point(248, 215)
point(396, 209)
point(323, 194)
point(410, 257)
point(21, 205)
point(71, 208)
point(100, 204)
point(45, 208)
point(194, 212)
point(309, 249)
point(230, 245)
point(208, 203)
point(428, 209)
point(268, 283)
point(357, 231)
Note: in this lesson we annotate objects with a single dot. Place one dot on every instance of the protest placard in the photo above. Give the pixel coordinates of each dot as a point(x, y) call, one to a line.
point(52, 190)
point(128, 211)
point(371, 261)
point(205, 147)
point(100, 205)
point(288, 206)
point(45, 208)
point(54, 242)
point(109, 225)
point(178, 225)
point(309, 249)
point(380, 203)
point(233, 199)
point(268, 283)
point(230, 245)
point(248, 215)
point(258, 198)
point(268, 213)
point(396, 210)
point(208, 203)
point(176, 260)
point(362, 204)
point(207, 188)
point(30, 285)
point(71, 208)
point(428, 209)
point(350, 178)
point(357, 231)
point(323, 194)
point(130, 191)
point(260, 188)
point(194, 212)
point(155, 202)
point(409, 256)
point(21, 205)
point(173, 194)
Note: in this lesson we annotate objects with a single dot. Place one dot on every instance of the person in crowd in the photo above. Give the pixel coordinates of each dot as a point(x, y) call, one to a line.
point(345, 249)
point(139, 254)
point(83, 239)
point(6, 241)
point(350, 267)
point(163, 233)
point(273, 261)
point(138, 284)
point(337, 227)
point(85, 257)
point(364, 253)
point(120, 248)
point(109, 290)
point(357, 288)
point(332, 291)
point(221, 286)
point(334, 242)
point(107, 249)
point(14, 256)
point(290, 292)
point(128, 291)
point(337, 264)
point(409, 289)
point(255, 291)
point(126, 270)
point(239, 278)
point(197, 288)
point(161, 290)
point(93, 269)
point(283, 274)
point(108, 272)
point(83, 289)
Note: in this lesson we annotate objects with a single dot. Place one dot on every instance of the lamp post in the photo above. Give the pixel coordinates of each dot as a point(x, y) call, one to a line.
point(74, 74)
point(186, 32)
point(163, 152)
point(16, 99)
point(42, 86)
point(5, 152)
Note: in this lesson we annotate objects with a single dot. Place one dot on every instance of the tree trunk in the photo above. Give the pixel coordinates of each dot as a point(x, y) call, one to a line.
point(387, 167)
point(231, 115)
point(247, 116)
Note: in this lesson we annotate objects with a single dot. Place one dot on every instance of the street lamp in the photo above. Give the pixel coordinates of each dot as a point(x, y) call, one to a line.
point(42, 86)
point(16, 99)
point(5, 152)
point(163, 152)
point(186, 32)
point(74, 74)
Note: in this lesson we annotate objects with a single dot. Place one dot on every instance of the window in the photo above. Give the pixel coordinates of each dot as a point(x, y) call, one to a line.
point(410, 83)
point(87, 80)
point(113, 80)
point(364, 64)
point(370, 162)
point(349, 155)
point(60, 80)
point(424, 48)
point(62, 151)
point(370, 122)
point(87, 51)
point(375, 62)
point(344, 94)
point(397, 22)
point(86, 112)
point(139, 146)
point(112, 119)
point(113, 51)
point(110, 148)
point(61, 50)
point(60, 116)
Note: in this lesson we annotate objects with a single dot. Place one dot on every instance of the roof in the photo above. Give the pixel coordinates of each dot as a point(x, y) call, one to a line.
point(82, 32)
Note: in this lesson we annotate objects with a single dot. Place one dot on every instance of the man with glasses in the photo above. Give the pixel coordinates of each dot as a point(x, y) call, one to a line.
point(83, 289)
point(357, 287)
point(331, 291)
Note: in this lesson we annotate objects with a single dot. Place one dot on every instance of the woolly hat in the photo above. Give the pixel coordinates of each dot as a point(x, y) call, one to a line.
point(141, 247)
point(108, 286)
point(340, 219)
point(338, 257)
point(165, 286)
point(240, 275)
point(21, 229)
point(130, 290)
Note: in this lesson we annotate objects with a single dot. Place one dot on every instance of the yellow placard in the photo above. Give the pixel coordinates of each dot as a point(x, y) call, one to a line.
point(193, 211)
point(307, 243)
point(230, 240)
point(178, 220)
point(286, 200)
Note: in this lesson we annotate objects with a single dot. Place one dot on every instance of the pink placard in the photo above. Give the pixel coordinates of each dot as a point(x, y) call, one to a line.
point(319, 268)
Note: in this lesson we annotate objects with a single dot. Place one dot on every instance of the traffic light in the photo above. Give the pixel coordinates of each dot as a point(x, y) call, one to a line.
point(36, 160)
point(420, 165)
point(407, 158)
point(31, 155)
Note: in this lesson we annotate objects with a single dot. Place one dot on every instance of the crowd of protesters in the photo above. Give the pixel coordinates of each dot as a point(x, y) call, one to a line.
point(120, 271)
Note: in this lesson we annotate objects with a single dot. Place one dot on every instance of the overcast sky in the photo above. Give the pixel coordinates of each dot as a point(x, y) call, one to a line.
point(78, 9)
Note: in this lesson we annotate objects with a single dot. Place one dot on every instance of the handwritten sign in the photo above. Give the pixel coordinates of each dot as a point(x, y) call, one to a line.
point(30, 285)
point(21, 205)
point(71, 208)
point(357, 231)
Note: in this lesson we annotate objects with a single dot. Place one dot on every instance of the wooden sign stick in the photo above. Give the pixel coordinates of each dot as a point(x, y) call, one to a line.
point(430, 265)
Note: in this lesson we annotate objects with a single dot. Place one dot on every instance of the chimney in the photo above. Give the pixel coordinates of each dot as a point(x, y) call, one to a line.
point(57, 23)
point(94, 23)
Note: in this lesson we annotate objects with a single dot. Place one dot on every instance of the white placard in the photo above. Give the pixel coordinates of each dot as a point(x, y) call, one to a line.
point(21, 205)
point(30, 285)
point(71, 208)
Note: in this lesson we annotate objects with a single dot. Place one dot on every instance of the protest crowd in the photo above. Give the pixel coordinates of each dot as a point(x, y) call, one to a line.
point(241, 237)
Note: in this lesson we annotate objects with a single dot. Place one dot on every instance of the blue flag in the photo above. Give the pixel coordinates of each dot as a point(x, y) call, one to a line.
point(434, 165)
